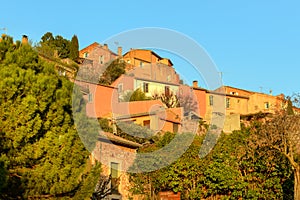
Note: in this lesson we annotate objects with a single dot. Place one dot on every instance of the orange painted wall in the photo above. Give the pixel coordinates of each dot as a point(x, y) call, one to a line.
point(103, 98)
point(137, 55)
point(201, 99)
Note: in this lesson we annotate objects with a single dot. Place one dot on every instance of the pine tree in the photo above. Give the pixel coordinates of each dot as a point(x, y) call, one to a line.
point(40, 149)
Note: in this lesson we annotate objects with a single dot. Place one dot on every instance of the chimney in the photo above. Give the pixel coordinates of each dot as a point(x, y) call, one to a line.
point(195, 84)
point(120, 51)
point(105, 47)
point(24, 39)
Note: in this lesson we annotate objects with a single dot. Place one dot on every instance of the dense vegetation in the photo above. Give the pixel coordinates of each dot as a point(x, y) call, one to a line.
point(41, 154)
point(112, 72)
point(57, 46)
point(234, 169)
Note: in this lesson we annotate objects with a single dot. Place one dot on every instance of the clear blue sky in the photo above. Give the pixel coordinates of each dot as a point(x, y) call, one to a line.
point(254, 43)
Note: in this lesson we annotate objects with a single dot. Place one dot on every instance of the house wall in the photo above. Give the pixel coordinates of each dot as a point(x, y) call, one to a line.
point(106, 153)
point(94, 53)
point(156, 72)
point(237, 105)
point(135, 56)
point(155, 87)
point(257, 103)
point(100, 100)
point(169, 126)
point(232, 123)
point(96, 50)
point(218, 106)
point(237, 91)
point(201, 100)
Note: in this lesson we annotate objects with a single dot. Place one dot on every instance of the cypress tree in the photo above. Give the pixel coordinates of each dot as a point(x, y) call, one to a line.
point(74, 48)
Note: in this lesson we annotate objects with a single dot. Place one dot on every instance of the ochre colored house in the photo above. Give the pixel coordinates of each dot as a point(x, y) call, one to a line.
point(256, 101)
point(141, 57)
point(151, 73)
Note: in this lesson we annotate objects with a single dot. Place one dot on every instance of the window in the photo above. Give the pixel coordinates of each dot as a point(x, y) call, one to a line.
point(141, 64)
point(211, 100)
point(85, 54)
point(175, 128)
point(234, 93)
point(101, 59)
point(146, 87)
point(90, 97)
point(167, 90)
point(114, 170)
point(146, 123)
point(267, 105)
point(227, 103)
point(120, 87)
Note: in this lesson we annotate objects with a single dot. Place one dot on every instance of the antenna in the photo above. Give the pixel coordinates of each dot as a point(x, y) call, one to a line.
point(261, 89)
point(221, 75)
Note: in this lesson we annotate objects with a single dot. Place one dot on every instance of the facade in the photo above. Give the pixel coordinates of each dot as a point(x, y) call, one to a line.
point(235, 102)
point(150, 87)
point(116, 155)
point(259, 102)
point(142, 57)
point(200, 98)
point(94, 59)
point(256, 102)
point(146, 64)
point(103, 102)
point(99, 54)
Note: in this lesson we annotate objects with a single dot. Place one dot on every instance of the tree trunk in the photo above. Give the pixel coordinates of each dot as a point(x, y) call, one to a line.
point(297, 183)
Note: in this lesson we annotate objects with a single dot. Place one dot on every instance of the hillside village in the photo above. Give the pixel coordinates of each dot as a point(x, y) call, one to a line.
point(162, 104)
point(155, 76)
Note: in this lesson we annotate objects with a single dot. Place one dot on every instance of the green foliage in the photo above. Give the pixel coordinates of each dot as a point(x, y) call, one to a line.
point(6, 45)
point(134, 132)
point(3, 175)
point(58, 46)
point(74, 48)
point(89, 182)
point(113, 71)
point(137, 95)
point(104, 124)
point(40, 146)
point(231, 170)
